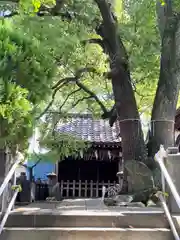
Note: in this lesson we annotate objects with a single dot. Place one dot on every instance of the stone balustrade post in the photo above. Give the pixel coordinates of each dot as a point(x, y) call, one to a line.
point(3, 161)
point(173, 167)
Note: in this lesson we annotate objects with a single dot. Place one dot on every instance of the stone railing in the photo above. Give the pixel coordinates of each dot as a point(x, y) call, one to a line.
point(169, 163)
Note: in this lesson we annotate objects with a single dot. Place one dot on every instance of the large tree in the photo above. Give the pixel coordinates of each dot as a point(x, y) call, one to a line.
point(26, 77)
point(163, 111)
point(25, 83)
point(124, 37)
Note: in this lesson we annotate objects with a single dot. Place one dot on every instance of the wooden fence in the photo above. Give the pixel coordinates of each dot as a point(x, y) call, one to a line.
point(86, 189)
point(74, 189)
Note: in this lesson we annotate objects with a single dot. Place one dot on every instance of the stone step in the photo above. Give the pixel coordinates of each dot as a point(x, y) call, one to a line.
point(86, 233)
point(124, 219)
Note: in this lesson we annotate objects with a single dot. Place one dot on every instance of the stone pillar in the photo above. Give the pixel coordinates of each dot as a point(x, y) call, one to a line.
point(173, 168)
point(52, 180)
point(120, 169)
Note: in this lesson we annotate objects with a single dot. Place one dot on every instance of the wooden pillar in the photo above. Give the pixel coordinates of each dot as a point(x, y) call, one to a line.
point(120, 166)
point(57, 169)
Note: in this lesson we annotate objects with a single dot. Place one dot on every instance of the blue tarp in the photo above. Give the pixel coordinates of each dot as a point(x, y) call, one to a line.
point(41, 170)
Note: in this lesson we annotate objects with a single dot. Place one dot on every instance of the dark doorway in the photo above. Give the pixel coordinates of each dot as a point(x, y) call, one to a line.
point(79, 178)
point(71, 169)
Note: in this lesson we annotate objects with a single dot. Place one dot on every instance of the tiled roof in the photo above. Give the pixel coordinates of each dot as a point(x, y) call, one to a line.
point(89, 129)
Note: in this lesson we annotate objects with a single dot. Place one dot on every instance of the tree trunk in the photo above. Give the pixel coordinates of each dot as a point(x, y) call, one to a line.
point(164, 108)
point(133, 146)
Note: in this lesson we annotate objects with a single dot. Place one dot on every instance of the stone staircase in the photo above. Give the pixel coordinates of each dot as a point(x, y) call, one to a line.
point(124, 224)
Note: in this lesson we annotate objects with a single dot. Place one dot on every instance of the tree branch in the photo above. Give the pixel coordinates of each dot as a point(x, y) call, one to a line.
point(62, 81)
point(93, 95)
point(70, 94)
point(74, 79)
point(80, 100)
point(76, 76)
point(80, 72)
point(37, 162)
point(58, 86)
point(112, 115)
point(25, 165)
point(50, 103)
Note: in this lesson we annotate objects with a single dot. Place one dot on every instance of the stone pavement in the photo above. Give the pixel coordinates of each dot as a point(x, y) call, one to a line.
point(79, 206)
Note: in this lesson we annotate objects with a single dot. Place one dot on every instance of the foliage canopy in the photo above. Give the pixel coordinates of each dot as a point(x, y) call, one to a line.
point(26, 80)
point(37, 52)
